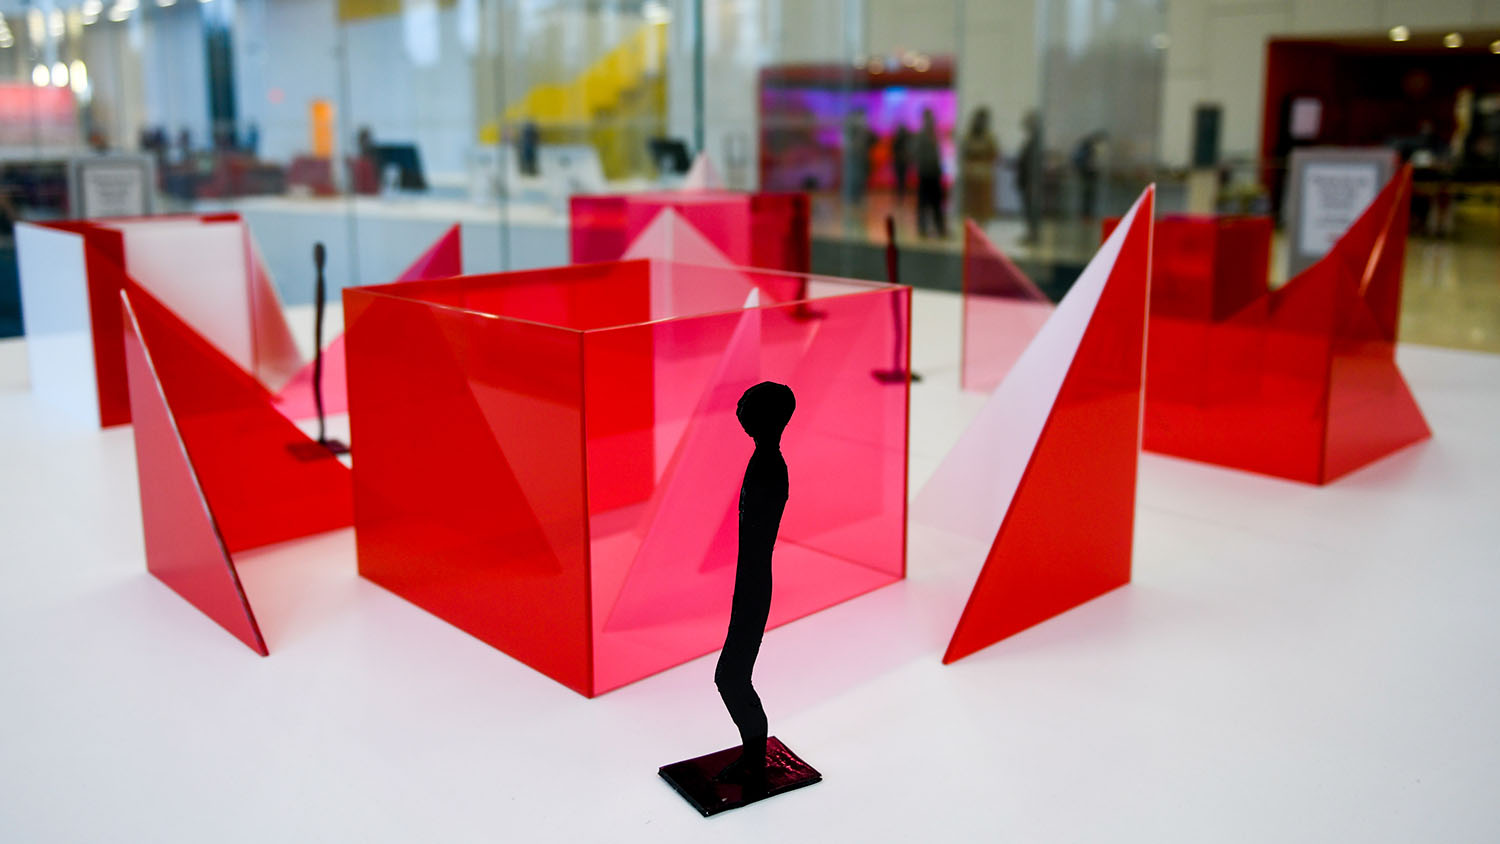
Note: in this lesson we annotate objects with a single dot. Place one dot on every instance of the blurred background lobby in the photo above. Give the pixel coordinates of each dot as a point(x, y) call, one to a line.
point(373, 125)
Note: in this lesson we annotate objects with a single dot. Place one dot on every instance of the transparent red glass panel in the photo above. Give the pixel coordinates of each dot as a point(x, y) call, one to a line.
point(205, 268)
point(246, 455)
point(768, 230)
point(208, 271)
point(1299, 382)
point(183, 546)
point(295, 398)
point(221, 471)
point(1046, 474)
point(1003, 311)
point(550, 460)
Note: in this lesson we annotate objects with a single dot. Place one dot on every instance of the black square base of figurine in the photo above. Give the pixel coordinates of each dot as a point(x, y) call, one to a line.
point(696, 779)
point(324, 450)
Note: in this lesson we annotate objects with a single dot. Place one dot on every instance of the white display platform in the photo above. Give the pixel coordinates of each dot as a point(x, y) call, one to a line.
point(1292, 663)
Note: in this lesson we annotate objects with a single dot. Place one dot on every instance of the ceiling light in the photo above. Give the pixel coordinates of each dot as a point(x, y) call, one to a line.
point(1400, 33)
point(39, 75)
point(59, 75)
point(118, 13)
point(78, 76)
point(1453, 39)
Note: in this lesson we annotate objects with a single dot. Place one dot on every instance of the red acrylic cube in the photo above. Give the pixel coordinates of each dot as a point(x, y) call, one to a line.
point(767, 230)
point(550, 459)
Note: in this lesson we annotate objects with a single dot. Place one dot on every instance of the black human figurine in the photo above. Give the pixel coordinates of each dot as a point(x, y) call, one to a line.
point(761, 766)
point(899, 373)
point(764, 411)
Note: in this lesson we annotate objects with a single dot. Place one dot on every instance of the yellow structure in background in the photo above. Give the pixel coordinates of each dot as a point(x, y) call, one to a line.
point(320, 118)
point(351, 10)
point(616, 104)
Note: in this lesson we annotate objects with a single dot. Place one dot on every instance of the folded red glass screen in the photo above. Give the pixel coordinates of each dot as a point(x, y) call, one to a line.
point(1299, 382)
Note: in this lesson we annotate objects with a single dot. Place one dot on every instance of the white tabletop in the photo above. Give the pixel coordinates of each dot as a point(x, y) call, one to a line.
point(1291, 664)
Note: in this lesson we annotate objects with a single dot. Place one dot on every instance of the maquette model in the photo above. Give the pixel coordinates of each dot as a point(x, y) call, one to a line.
point(763, 766)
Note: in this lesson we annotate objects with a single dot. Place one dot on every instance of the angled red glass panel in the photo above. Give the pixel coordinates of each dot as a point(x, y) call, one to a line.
point(104, 260)
point(183, 546)
point(767, 230)
point(663, 573)
point(1054, 449)
point(668, 237)
point(274, 353)
point(295, 400)
point(247, 457)
point(722, 216)
point(780, 231)
point(1003, 311)
point(597, 228)
point(206, 268)
point(611, 453)
point(1371, 411)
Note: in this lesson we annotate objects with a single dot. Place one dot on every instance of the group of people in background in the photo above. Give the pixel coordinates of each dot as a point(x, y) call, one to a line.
point(919, 153)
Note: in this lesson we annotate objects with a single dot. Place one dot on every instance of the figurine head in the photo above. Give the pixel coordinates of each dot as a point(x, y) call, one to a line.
point(764, 411)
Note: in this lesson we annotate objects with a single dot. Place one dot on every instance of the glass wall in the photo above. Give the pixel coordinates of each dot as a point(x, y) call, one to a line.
point(374, 125)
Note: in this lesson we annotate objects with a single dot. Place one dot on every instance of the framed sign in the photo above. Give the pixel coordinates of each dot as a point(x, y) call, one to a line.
point(1330, 187)
point(111, 186)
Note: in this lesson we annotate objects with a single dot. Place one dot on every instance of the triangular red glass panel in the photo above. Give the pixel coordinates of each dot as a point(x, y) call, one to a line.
point(183, 546)
point(1066, 534)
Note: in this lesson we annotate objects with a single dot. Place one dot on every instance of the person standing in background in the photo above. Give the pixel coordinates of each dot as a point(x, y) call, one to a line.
point(1086, 162)
point(929, 162)
point(901, 159)
point(531, 138)
point(857, 142)
point(979, 152)
point(1029, 175)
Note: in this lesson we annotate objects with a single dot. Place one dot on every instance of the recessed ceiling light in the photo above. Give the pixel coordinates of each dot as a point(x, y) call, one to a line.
point(1400, 33)
point(1453, 39)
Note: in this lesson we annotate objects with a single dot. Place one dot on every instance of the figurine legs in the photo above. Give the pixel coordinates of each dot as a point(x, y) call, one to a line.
point(732, 676)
